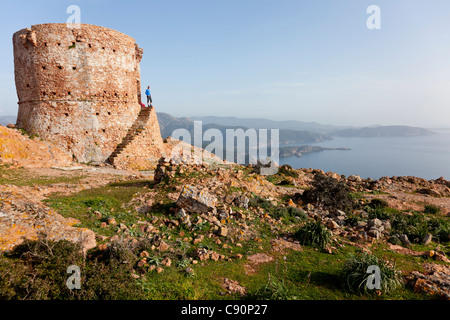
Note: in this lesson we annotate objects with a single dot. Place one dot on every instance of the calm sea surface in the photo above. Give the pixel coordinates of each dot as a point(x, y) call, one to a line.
point(425, 156)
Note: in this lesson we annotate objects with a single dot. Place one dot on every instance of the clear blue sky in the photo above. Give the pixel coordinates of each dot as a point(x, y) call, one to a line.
point(309, 60)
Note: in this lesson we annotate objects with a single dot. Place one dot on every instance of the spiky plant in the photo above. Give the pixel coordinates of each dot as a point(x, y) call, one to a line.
point(314, 233)
point(355, 276)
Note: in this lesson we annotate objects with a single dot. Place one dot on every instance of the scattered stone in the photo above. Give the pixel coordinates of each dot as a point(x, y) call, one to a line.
point(189, 271)
point(166, 262)
point(404, 239)
point(374, 233)
point(241, 201)
point(98, 214)
point(159, 269)
point(233, 287)
point(163, 246)
point(142, 263)
point(427, 239)
point(361, 225)
point(354, 178)
point(215, 256)
point(223, 231)
point(123, 226)
point(111, 221)
point(374, 223)
point(202, 254)
point(429, 254)
point(332, 225)
point(198, 239)
point(103, 247)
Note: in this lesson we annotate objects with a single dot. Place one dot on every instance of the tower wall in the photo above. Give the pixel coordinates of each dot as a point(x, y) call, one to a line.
point(77, 87)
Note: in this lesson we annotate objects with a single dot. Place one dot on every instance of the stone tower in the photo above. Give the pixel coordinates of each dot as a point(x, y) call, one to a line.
point(80, 89)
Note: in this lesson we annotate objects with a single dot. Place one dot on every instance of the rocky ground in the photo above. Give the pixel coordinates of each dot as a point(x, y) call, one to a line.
point(189, 216)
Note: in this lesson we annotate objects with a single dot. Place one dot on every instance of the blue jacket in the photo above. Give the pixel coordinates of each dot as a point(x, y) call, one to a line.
point(147, 92)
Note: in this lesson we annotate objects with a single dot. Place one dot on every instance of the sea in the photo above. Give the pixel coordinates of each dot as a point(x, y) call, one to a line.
point(426, 157)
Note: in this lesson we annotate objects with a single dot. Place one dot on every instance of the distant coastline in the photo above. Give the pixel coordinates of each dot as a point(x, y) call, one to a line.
point(299, 151)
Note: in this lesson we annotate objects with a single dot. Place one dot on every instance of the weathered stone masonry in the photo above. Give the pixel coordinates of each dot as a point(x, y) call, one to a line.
point(80, 89)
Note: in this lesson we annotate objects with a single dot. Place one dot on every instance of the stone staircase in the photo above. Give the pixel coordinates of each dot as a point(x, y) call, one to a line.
point(137, 127)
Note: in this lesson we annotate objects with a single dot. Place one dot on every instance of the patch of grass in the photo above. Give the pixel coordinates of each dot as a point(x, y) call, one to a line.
point(24, 177)
point(287, 171)
point(274, 289)
point(314, 233)
point(378, 203)
point(431, 209)
point(378, 212)
point(288, 213)
point(355, 276)
point(353, 218)
point(109, 200)
point(416, 226)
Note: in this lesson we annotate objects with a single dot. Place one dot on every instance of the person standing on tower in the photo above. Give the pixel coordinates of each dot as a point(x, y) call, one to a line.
point(149, 97)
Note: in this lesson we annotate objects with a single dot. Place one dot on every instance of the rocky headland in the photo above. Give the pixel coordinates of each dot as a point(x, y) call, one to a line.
point(185, 218)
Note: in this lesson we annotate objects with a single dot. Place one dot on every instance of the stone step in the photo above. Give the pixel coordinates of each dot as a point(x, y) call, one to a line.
point(136, 130)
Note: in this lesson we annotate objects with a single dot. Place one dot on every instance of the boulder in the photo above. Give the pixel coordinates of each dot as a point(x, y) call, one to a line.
point(194, 200)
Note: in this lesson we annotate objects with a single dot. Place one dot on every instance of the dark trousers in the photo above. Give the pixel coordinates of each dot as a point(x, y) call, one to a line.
point(149, 99)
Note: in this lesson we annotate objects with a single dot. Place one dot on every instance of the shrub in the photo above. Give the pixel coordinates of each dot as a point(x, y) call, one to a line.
point(431, 209)
point(287, 171)
point(353, 218)
point(314, 233)
point(354, 274)
point(39, 273)
point(378, 213)
point(440, 228)
point(329, 193)
point(378, 203)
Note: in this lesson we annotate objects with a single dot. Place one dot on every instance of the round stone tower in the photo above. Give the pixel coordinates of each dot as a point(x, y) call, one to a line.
point(78, 87)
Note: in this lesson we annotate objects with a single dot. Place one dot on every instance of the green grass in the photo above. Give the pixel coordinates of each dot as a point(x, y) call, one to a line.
point(417, 225)
point(287, 214)
point(431, 209)
point(109, 200)
point(23, 177)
